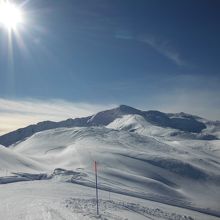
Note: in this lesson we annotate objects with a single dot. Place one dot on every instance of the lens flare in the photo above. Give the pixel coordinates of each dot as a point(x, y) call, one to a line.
point(10, 15)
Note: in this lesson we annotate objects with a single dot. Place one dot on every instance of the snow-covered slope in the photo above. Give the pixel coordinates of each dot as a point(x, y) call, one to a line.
point(53, 200)
point(181, 122)
point(145, 156)
point(11, 161)
point(137, 123)
point(129, 163)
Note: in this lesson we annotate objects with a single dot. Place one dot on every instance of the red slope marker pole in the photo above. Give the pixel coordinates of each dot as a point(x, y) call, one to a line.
point(96, 186)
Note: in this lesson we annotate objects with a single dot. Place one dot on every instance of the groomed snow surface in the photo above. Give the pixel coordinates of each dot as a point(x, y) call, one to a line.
point(143, 173)
point(55, 200)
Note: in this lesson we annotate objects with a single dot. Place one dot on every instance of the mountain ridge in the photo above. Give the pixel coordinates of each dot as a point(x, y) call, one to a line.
point(181, 121)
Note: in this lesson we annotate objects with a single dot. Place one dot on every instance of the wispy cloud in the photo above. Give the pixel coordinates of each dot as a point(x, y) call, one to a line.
point(19, 113)
point(164, 48)
point(161, 46)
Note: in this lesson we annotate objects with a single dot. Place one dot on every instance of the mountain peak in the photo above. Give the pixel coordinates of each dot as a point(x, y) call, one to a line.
point(124, 106)
point(128, 109)
point(180, 121)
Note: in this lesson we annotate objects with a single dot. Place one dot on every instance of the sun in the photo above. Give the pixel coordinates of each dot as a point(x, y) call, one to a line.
point(10, 15)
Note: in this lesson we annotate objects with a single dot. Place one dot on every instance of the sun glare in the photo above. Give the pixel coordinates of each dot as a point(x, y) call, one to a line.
point(10, 15)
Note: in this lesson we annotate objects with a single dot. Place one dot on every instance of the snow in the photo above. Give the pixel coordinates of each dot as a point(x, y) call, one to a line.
point(55, 200)
point(166, 171)
point(11, 161)
point(138, 124)
point(144, 171)
point(183, 122)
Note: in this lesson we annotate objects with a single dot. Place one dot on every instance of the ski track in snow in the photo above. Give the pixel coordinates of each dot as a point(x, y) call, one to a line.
point(51, 200)
point(42, 209)
point(89, 206)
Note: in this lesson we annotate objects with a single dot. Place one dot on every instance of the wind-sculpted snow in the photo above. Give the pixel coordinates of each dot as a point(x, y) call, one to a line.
point(179, 172)
point(182, 168)
point(11, 161)
point(20, 177)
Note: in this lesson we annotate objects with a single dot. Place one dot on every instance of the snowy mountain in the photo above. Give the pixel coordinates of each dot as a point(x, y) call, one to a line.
point(151, 165)
point(181, 122)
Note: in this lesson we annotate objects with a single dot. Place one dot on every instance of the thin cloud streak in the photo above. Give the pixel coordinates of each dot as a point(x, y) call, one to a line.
point(162, 47)
point(15, 114)
point(165, 49)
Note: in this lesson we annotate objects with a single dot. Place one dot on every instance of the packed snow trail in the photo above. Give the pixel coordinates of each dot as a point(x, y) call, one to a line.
point(54, 200)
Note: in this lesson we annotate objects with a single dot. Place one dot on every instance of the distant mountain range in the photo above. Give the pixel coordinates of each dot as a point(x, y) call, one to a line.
point(182, 124)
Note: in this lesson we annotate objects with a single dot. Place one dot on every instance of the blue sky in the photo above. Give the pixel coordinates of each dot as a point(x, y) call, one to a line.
point(150, 54)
